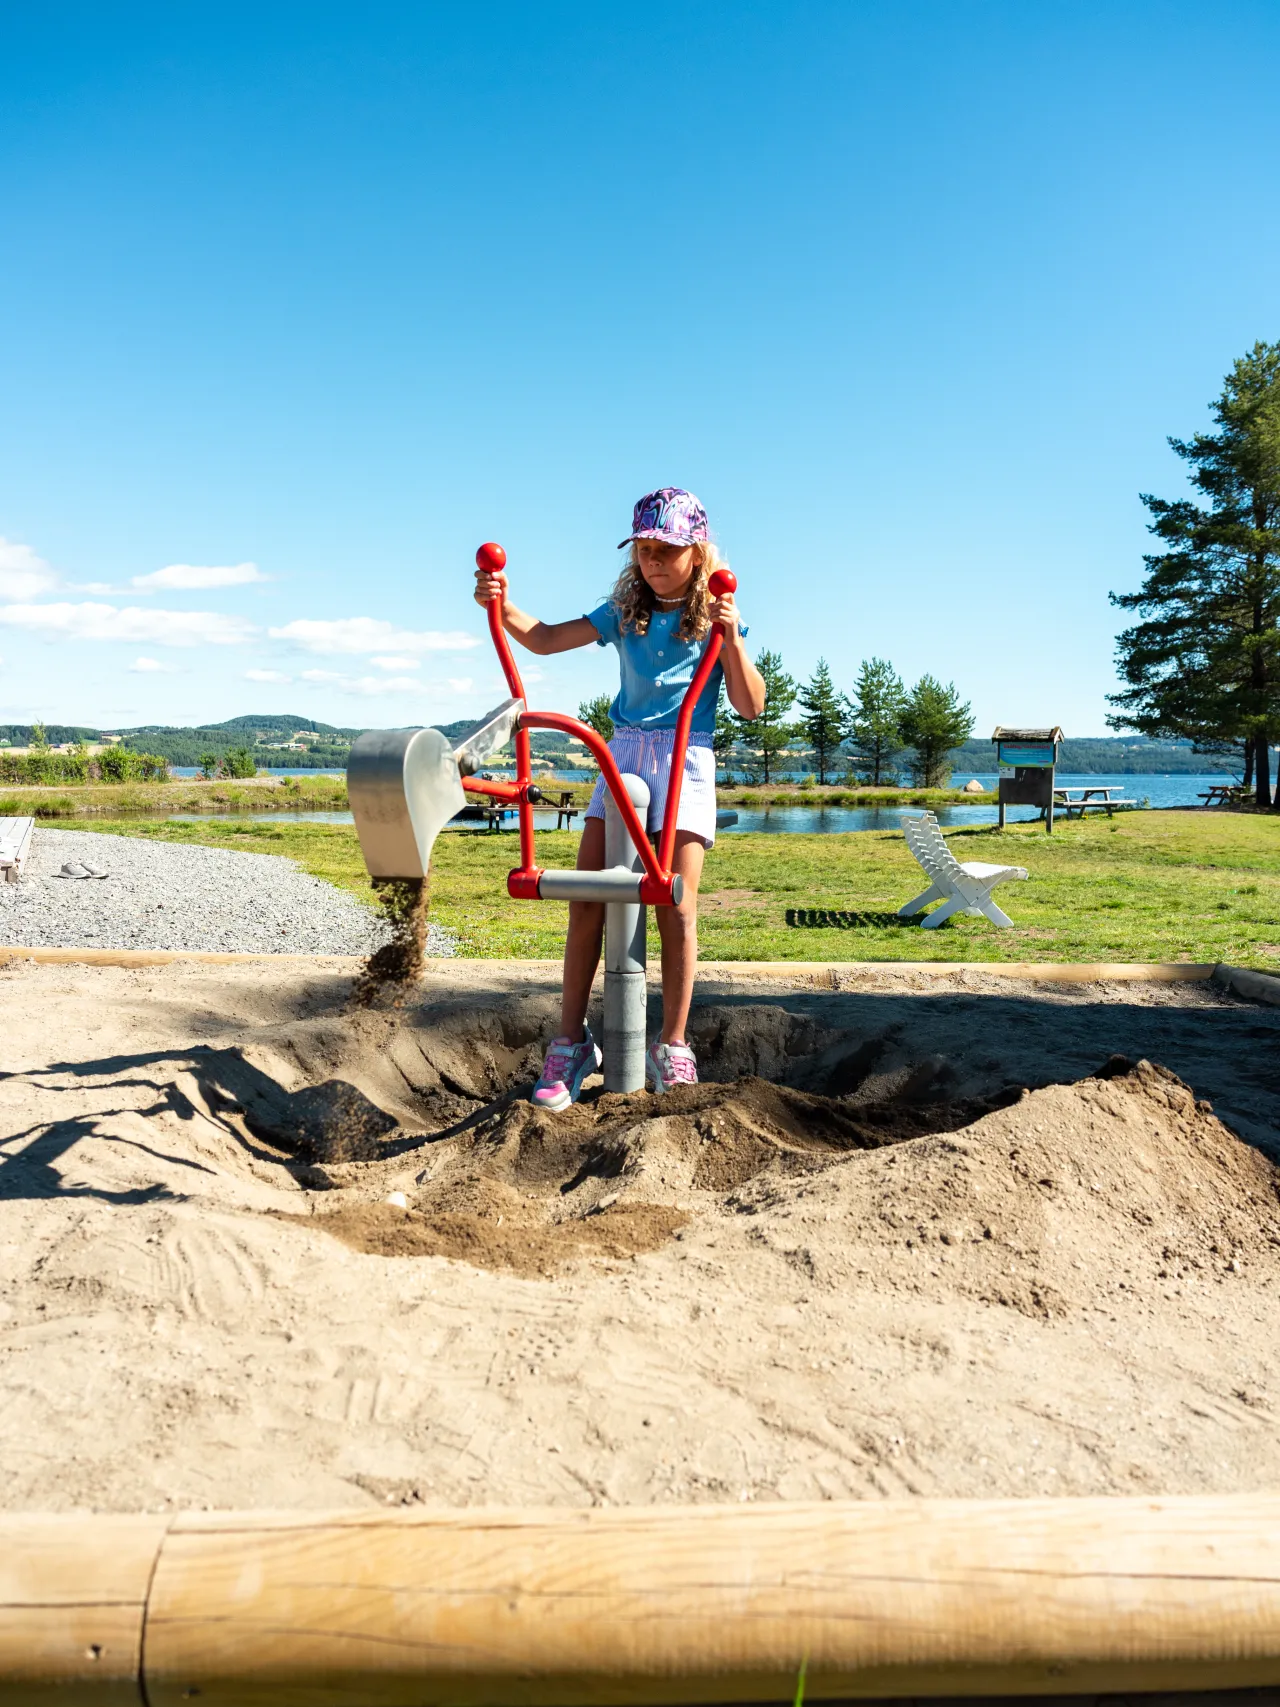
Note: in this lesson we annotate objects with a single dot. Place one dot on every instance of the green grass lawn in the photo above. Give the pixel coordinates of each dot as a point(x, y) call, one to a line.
point(1141, 886)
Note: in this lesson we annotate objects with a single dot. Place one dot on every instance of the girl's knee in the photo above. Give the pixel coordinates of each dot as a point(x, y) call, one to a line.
point(681, 921)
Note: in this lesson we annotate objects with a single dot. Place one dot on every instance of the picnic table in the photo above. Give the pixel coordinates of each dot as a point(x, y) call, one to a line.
point(566, 811)
point(1096, 797)
point(1223, 794)
point(563, 808)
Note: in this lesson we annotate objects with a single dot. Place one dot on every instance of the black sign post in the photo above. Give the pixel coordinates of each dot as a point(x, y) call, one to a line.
point(1032, 754)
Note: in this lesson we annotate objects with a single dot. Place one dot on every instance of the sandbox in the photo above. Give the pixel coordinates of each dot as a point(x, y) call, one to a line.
point(974, 1236)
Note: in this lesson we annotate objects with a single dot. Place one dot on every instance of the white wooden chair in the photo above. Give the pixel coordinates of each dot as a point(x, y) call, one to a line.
point(961, 888)
point(15, 844)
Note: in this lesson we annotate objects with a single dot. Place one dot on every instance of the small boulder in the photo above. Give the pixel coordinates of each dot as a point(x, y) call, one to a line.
point(973, 786)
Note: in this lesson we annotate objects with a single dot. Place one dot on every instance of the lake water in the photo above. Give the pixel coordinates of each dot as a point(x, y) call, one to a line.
point(1159, 791)
point(263, 770)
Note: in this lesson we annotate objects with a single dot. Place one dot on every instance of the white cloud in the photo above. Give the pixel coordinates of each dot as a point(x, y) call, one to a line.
point(266, 676)
point(149, 666)
point(385, 663)
point(357, 634)
point(188, 576)
point(109, 622)
point(366, 687)
point(23, 575)
point(460, 684)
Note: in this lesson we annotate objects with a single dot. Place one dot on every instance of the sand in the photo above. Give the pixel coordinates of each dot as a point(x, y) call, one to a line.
point(1001, 1240)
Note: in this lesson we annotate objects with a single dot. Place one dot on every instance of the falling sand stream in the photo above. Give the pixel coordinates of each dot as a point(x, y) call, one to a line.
point(398, 964)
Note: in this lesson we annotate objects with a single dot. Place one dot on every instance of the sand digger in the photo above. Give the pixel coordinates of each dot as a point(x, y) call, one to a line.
point(405, 785)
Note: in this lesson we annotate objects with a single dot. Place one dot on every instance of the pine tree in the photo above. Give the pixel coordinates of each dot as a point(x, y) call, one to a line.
point(874, 717)
point(768, 734)
point(933, 722)
point(824, 717)
point(595, 714)
point(239, 762)
point(728, 732)
point(1205, 661)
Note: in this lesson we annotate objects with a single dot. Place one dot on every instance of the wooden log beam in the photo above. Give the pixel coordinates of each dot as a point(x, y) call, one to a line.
point(1070, 972)
point(671, 1605)
point(73, 1594)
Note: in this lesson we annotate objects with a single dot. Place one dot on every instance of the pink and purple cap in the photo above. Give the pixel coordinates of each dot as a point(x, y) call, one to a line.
point(669, 514)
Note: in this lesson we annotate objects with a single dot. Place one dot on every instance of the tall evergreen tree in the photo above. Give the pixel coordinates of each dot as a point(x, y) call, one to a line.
point(824, 717)
point(1204, 662)
point(768, 734)
point(874, 717)
point(933, 722)
point(728, 731)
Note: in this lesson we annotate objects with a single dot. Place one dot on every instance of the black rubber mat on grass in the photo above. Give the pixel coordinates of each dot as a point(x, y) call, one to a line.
point(824, 919)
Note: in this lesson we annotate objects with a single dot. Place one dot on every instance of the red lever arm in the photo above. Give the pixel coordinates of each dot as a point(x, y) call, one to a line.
point(493, 558)
point(722, 581)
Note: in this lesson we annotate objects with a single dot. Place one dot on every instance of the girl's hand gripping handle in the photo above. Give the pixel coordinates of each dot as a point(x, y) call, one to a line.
point(491, 590)
point(722, 585)
point(491, 582)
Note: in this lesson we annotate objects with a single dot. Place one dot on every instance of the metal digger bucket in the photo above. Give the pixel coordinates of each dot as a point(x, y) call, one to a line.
point(404, 785)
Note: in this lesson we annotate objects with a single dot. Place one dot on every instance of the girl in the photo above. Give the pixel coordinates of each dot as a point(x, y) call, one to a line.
point(658, 616)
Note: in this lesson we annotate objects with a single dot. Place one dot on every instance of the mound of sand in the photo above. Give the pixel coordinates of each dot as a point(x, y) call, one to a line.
point(880, 1253)
point(1121, 1182)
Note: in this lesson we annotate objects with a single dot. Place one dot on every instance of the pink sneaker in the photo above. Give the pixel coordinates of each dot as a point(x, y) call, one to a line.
point(670, 1064)
point(566, 1066)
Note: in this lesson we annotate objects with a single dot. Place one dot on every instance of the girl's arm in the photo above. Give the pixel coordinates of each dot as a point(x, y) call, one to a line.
point(543, 638)
point(743, 682)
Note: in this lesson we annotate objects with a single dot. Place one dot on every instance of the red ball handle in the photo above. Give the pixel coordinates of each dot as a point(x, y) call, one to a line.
point(491, 557)
point(722, 581)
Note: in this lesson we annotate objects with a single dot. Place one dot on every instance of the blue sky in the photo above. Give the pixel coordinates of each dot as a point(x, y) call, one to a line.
point(299, 304)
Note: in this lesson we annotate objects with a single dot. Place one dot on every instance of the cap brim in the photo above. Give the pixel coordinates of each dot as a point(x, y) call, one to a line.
point(666, 538)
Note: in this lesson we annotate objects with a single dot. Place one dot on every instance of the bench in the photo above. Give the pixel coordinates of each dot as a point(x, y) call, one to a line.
point(961, 888)
point(15, 844)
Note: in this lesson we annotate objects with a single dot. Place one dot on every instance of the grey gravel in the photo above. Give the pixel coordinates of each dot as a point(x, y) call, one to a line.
point(203, 900)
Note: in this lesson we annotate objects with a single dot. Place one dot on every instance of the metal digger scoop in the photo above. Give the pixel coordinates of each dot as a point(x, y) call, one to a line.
point(404, 785)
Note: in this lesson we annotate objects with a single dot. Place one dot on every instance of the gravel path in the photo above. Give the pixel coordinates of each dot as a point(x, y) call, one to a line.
point(164, 895)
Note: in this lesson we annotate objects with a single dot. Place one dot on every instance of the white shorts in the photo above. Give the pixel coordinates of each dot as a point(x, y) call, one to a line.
point(646, 753)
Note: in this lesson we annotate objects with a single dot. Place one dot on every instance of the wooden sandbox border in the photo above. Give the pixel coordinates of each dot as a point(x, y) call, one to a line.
point(546, 1607)
point(1258, 986)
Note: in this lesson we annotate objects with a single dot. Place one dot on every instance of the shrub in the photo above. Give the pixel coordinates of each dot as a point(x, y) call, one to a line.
point(239, 762)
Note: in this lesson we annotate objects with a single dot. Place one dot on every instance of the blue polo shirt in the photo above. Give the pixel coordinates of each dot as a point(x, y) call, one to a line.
point(656, 670)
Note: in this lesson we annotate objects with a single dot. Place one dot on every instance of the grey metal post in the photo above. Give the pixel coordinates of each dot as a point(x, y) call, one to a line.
point(624, 954)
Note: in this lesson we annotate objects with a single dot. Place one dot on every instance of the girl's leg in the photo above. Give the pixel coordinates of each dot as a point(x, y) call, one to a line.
point(678, 928)
point(583, 942)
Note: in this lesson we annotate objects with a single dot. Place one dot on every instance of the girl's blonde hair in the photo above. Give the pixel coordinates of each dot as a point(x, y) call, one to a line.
point(633, 596)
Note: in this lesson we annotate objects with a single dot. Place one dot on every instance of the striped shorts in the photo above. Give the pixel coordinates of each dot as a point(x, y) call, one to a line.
point(646, 753)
